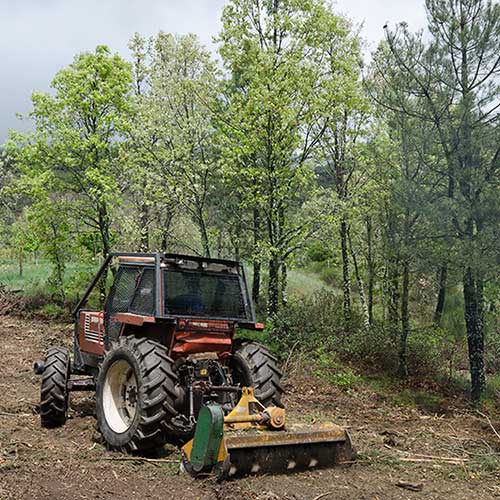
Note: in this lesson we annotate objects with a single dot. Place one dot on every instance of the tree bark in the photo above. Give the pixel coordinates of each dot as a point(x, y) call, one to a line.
point(273, 288)
point(283, 283)
point(362, 298)
point(346, 281)
point(474, 322)
point(405, 320)
point(144, 220)
point(393, 291)
point(204, 236)
point(20, 262)
point(371, 268)
point(441, 297)
point(256, 260)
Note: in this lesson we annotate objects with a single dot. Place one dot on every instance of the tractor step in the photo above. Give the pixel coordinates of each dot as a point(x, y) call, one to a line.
point(82, 384)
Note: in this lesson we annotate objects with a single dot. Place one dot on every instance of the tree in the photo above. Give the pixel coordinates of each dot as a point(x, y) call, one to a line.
point(453, 76)
point(74, 148)
point(178, 131)
point(281, 88)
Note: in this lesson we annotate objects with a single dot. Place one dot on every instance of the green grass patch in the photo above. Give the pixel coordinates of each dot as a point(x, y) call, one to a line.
point(302, 283)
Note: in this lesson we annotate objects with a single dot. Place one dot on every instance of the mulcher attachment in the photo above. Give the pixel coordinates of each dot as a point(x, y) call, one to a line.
point(253, 439)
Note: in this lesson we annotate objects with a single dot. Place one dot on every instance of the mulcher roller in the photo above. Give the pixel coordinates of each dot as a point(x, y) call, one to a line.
point(294, 449)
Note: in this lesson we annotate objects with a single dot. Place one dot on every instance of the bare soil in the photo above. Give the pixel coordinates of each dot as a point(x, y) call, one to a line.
point(453, 454)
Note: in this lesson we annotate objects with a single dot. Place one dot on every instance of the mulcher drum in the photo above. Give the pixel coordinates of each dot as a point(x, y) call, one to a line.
point(294, 449)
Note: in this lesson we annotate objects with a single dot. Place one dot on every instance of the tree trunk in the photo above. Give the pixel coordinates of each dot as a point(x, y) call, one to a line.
point(283, 283)
point(144, 220)
point(204, 236)
point(393, 291)
point(405, 320)
point(256, 282)
point(104, 230)
point(474, 322)
point(256, 260)
point(346, 281)
point(371, 268)
point(20, 262)
point(362, 299)
point(441, 297)
point(273, 287)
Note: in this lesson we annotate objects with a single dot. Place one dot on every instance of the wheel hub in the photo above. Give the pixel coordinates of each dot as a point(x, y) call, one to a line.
point(120, 396)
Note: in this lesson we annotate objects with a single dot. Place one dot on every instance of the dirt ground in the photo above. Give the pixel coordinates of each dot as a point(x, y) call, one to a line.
point(453, 455)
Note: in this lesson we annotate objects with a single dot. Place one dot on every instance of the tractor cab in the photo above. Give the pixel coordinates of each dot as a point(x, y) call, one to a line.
point(189, 304)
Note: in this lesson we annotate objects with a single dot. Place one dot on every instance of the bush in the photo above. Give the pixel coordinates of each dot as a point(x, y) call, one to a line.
point(308, 323)
point(315, 324)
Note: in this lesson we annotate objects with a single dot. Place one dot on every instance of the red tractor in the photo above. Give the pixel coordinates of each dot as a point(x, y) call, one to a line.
point(162, 354)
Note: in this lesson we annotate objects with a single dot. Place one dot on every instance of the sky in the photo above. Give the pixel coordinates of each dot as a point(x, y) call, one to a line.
point(39, 37)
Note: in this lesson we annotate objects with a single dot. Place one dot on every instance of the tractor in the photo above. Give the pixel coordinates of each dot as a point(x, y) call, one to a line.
point(162, 357)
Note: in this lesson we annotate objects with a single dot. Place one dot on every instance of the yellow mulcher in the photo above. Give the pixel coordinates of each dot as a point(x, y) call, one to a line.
point(253, 439)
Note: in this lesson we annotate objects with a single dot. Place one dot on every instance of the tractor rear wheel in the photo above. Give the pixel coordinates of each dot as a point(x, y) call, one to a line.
point(136, 391)
point(254, 366)
point(54, 394)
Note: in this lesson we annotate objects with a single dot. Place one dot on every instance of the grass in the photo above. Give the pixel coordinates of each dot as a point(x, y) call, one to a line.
point(35, 274)
point(302, 283)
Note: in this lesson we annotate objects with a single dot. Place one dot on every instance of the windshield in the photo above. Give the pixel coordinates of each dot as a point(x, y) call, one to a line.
point(201, 293)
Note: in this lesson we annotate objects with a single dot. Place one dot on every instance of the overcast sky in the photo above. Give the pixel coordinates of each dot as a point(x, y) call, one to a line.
point(39, 37)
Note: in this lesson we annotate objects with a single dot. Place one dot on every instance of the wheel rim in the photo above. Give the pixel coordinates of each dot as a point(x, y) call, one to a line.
point(120, 396)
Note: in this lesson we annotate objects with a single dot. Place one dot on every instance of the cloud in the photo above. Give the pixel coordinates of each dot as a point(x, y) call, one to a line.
point(37, 38)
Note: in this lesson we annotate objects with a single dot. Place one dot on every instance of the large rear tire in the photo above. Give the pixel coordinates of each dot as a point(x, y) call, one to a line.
point(54, 394)
point(254, 366)
point(136, 391)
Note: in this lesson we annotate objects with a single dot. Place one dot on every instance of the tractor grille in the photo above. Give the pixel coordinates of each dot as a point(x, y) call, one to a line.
point(91, 328)
point(206, 294)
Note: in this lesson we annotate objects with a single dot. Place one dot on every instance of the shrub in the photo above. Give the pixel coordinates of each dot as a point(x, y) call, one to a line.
point(307, 323)
point(315, 324)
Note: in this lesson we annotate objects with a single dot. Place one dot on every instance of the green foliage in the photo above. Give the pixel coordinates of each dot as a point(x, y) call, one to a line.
point(276, 154)
point(335, 373)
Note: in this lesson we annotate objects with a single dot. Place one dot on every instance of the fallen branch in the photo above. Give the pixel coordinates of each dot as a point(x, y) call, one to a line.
point(140, 459)
point(323, 495)
point(410, 486)
point(489, 423)
point(433, 457)
point(7, 414)
point(452, 461)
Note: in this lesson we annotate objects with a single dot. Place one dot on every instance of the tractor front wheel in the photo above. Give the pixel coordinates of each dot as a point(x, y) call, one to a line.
point(136, 390)
point(54, 394)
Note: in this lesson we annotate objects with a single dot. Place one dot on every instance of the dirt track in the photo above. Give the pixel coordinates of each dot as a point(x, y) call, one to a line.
point(395, 445)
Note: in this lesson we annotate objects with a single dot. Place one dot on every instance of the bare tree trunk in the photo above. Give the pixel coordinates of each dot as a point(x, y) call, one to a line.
point(20, 262)
point(441, 297)
point(394, 296)
point(405, 320)
point(474, 321)
point(273, 287)
point(362, 299)
point(256, 260)
point(283, 283)
point(371, 268)
point(346, 280)
point(144, 221)
point(204, 236)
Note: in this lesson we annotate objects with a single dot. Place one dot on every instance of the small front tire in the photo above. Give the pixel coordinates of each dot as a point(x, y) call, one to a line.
point(54, 394)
